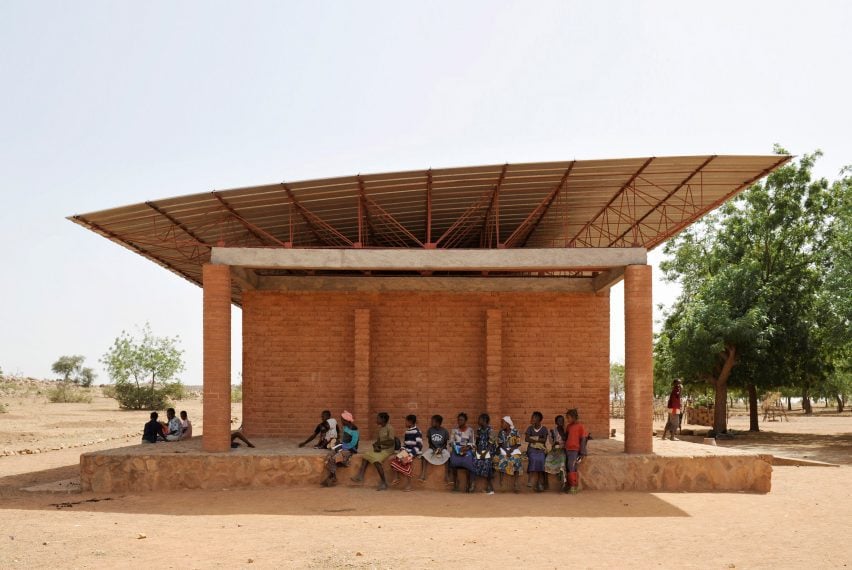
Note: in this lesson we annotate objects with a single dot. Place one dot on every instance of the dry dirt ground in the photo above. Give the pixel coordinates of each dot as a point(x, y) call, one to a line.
point(804, 521)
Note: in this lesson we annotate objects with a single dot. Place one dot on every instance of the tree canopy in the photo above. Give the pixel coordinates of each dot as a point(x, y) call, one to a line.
point(72, 370)
point(142, 367)
point(764, 289)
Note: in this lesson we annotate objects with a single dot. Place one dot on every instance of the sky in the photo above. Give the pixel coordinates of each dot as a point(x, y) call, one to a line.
point(108, 103)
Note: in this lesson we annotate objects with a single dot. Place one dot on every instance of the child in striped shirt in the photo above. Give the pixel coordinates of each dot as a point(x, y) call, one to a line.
point(412, 448)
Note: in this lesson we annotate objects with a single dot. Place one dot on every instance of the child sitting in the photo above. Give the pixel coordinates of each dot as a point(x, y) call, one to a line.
point(326, 430)
point(412, 447)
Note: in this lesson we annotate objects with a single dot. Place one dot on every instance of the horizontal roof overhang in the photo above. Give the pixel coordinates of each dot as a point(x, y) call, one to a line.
point(614, 203)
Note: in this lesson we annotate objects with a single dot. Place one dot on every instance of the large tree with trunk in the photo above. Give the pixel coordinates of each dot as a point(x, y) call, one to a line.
point(751, 312)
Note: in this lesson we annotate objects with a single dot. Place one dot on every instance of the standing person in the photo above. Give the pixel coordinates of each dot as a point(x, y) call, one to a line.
point(326, 430)
point(484, 448)
point(173, 427)
point(674, 405)
point(461, 452)
point(508, 459)
point(575, 448)
point(536, 438)
point(438, 440)
point(185, 425)
point(554, 463)
point(383, 448)
point(412, 448)
point(152, 430)
point(342, 453)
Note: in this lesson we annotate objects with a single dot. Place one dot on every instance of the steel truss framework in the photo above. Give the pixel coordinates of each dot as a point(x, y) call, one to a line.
point(638, 202)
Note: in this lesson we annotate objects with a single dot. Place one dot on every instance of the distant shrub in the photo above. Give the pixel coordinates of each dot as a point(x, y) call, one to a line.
point(108, 390)
point(237, 393)
point(177, 391)
point(132, 397)
point(67, 393)
point(3, 408)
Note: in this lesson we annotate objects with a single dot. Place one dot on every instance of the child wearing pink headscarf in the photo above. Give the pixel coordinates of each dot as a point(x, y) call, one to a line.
point(342, 452)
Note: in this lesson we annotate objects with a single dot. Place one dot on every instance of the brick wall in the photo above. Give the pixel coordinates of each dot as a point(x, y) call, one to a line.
point(428, 353)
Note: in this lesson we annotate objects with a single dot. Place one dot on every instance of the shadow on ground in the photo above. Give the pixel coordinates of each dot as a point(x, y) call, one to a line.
point(355, 502)
point(818, 447)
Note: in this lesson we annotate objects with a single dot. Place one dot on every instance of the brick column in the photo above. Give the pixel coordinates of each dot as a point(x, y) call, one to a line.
point(494, 363)
point(638, 360)
point(361, 387)
point(217, 357)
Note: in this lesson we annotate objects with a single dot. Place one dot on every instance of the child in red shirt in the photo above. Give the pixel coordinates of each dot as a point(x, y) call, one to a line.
point(575, 448)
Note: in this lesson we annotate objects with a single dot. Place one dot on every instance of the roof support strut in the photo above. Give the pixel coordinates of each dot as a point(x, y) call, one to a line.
point(523, 232)
point(316, 224)
point(257, 232)
point(572, 242)
point(663, 201)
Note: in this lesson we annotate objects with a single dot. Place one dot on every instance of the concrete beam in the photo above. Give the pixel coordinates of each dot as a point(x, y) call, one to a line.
point(527, 259)
point(603, 282)
point(446, 284)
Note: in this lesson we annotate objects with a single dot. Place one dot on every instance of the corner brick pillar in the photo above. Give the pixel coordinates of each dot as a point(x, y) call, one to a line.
point(217, 357)
point(638, 360)
point(494, 362)
point(361, 388)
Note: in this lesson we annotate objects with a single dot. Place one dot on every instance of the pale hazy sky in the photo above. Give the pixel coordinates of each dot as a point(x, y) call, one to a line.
point(109, 103)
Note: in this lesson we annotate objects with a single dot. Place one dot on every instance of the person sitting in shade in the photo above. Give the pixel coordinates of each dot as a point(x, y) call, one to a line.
point(326, 430)
point(412, 448)
point(461, 453)
point(383, 448)
point(238, 435)
point(342, 452)
point(185, 425)
point(485, 445)
point(508, 460)
point(174, 429)
point(153, 430)
point(438, 452)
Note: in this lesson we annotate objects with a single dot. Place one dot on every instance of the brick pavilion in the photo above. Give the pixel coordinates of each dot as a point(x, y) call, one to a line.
point(433, 291)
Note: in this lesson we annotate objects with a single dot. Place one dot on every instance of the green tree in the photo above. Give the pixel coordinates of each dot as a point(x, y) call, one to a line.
point(72, 370)
point(142, 367)
point(616, 380)
point(751, 276)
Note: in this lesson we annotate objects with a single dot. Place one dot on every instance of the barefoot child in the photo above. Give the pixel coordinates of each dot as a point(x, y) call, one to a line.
point(575, 448)
point(438, 453)
point(382, 449)
point(412, 448)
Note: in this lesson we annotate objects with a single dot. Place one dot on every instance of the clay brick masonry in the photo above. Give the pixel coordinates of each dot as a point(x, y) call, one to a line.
point(422, 353)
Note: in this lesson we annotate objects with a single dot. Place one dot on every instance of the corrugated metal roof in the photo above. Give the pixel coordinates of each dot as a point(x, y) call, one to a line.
point(630, 202)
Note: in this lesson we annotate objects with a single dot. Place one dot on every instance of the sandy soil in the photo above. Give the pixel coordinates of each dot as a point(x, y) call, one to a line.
point(805, 520)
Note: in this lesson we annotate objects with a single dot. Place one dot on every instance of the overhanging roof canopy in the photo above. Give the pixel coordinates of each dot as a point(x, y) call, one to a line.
point(631, 202)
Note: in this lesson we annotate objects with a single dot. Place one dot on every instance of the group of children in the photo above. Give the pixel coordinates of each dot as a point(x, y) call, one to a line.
point(479, 451)
point(173, 430)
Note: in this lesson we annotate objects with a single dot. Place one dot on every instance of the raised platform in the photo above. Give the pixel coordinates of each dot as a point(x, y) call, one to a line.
point(675, 466)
